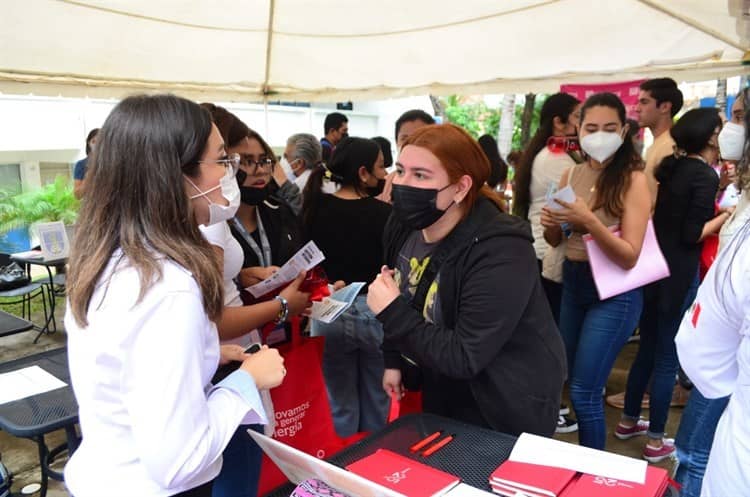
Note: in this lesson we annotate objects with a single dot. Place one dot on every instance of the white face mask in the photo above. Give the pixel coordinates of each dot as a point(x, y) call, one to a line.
point(287, 167)
point(230, 190)
point(601, 145)
point(732, 141)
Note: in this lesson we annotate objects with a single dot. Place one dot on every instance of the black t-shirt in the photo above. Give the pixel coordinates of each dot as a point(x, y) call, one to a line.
point(442, 395)
point(411, 262)
point(350, 235)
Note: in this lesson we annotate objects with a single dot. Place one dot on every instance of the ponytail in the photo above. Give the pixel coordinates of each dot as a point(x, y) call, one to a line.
point(313, 192)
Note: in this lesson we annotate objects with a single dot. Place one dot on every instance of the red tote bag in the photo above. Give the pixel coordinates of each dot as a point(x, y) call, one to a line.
point(301, 410)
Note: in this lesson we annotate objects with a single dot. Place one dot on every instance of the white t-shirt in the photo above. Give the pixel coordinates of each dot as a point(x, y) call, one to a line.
point(301, 180)
point(152, 423)
point(546, 170)
point(737, 220)
point(713, 345)
point(220, 236)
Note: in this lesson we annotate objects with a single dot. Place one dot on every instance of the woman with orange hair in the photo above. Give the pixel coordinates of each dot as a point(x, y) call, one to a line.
point(461, 295)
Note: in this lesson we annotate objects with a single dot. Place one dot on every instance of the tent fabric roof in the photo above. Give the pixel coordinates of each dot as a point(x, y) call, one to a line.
point(358, 49)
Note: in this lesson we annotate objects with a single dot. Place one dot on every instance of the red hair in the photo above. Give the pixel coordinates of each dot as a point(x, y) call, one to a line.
point(459, 155)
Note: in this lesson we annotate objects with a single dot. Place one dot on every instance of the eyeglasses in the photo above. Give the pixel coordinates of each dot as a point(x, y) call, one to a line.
point(230, 161)
point(253, 165)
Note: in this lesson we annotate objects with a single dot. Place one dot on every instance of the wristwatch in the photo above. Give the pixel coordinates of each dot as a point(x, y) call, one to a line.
point(284, 311)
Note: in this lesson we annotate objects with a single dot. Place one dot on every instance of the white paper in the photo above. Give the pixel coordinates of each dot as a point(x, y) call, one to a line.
point(464, 490)
point(566, 195)
point(54, 240)
point(330, 308)
point(534, 449)
point(730, 198)
point(305, 259)
point(25, 383)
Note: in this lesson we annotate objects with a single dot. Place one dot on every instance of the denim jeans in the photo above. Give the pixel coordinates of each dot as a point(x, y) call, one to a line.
point(353, 369)
point(657, 356)
point(694, 439)
point(240, 471)
point(594, 331)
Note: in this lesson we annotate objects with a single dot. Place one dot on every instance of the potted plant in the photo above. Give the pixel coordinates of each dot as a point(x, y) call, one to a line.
point(52, 202)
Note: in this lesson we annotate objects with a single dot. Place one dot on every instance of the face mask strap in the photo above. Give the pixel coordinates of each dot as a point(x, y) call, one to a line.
point(201, 193)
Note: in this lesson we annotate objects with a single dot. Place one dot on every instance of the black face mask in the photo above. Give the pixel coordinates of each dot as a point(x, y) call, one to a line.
point(253, 196)
point(416, 207)
point(376, 190)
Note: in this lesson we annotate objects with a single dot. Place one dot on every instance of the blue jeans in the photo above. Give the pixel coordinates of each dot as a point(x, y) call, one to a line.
point(657, 355)
point(694, 439)
point(240, 471)
point(353, 369)
point(594, 331)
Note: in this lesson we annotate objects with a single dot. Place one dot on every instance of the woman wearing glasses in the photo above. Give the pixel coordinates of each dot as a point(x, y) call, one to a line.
point(145, 293)
point(265, 226)
point(246, 181)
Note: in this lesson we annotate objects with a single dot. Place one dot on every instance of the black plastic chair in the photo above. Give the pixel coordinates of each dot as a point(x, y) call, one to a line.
point(25, 294)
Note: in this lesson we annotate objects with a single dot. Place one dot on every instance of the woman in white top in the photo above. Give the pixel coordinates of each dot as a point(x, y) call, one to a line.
point(731, 149)
point(551, 151)
point(713, 345)
point(145, 289)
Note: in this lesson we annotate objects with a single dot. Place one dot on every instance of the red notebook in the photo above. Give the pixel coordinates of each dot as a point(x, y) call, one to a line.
point(588, 485)
point(532, 478)
point(403, 475)
point(508, 491)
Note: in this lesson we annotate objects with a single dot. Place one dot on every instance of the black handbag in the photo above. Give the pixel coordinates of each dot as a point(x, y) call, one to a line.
point(13, 276)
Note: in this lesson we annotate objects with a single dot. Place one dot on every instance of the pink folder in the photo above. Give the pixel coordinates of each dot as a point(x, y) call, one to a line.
point(611, 279)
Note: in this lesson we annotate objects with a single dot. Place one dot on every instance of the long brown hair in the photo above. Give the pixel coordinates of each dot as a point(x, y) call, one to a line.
point(559, 105)
point(459, 154)
point(614, 181)
point(136, 201)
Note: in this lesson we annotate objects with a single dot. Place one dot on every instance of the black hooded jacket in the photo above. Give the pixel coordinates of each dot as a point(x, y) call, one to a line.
point(495, 331)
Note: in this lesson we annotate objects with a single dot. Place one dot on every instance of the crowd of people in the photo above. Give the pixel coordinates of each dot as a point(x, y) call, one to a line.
point(488, 313)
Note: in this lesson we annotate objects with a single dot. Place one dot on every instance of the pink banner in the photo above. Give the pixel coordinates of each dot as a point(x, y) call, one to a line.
point(627, 91)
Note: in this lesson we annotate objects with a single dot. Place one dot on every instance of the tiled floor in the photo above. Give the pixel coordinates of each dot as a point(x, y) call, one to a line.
point(20, 456)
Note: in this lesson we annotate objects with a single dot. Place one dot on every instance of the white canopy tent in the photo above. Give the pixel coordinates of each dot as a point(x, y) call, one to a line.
point(331, 50)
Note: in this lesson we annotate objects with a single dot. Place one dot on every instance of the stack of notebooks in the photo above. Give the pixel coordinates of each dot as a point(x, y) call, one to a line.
point(513, 479)
point(406, 476)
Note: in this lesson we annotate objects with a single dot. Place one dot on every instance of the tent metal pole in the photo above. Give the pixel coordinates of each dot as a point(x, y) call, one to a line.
point(269, 46)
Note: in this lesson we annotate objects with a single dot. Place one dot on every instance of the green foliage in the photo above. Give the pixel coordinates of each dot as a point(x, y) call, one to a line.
point(52, 202)
point(474, 117)
point(479, 119)
point(517, 145)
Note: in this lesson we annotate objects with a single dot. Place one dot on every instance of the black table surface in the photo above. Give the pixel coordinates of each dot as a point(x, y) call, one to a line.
point(45, 412)
point(10, 324)
point(472, 455)
point(39, 260)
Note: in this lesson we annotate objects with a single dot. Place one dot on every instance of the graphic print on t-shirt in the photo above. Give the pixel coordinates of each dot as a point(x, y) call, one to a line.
point(412, 261)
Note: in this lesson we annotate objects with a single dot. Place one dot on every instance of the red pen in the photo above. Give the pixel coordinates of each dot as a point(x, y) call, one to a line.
point(423, 442)
point(442, 443)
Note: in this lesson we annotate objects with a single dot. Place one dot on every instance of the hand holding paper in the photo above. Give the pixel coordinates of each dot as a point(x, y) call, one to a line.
point(305, 259)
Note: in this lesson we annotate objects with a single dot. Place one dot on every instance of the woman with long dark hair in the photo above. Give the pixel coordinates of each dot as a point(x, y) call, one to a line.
point(144, 291)
point(348, 227)
point(552, 150)
point(610, 189)
point(461, 297)
point(683, 218)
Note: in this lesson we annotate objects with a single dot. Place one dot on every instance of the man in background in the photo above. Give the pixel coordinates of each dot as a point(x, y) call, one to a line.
point(336, 128)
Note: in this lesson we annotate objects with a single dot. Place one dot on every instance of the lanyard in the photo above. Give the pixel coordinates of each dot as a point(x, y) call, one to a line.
point(264, 255)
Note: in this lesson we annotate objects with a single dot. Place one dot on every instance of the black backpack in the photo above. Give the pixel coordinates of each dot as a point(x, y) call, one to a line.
point(12, 276)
